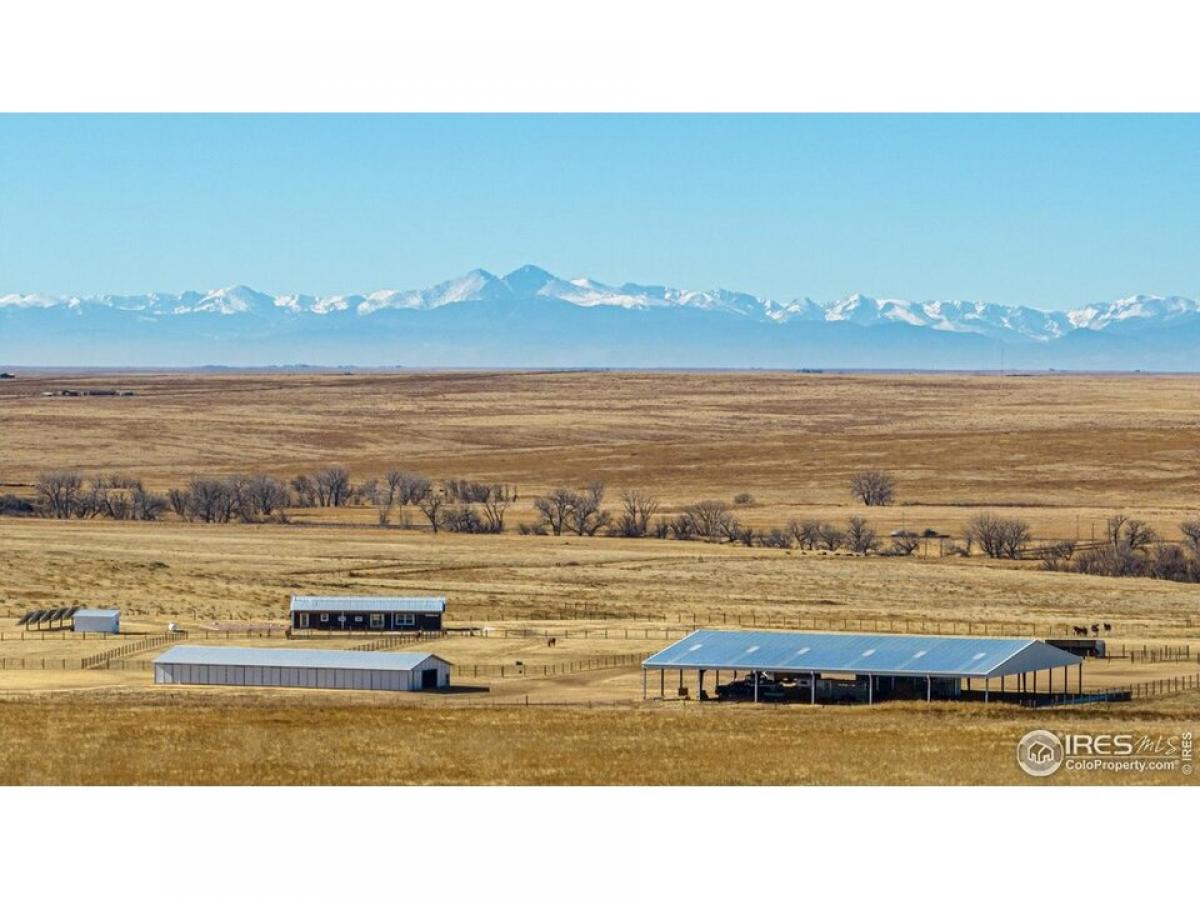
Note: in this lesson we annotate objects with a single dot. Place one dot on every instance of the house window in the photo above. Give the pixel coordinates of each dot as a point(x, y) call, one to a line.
point(324, 617)
point(358, 618)
point(303, 620)
point(376, 620)
point(405, 619)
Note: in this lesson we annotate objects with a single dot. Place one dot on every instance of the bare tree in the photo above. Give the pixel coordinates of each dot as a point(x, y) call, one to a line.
point(1191, 534)
point(806, 532)
point(181, 502)
point(410, 487)
point(265, 495)
point(333, 486)
point(431, 505)
point(637, 510)
point(904, 543)
point(860, 537)
point(210, 500)
point(148, 506)
point(494, 506)
point(59, 493)
point(999, 537)
point(873, 487)
point(831, 537)
point(1132, 533)
point(305, 489)
point(586, 516)
point(555, 508)
point(779, 538)
point(381, 495)
point(711, 520)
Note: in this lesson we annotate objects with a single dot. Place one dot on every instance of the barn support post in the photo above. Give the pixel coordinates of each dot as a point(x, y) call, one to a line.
point(754, 675)
point(1066, 680)
point(662, 684)
point(928, 689)
point(812, 688)
point(870, 689)
point(1081, 678)
point(700, 685)
point(987, 683)
point(643, 683)
point(1035, 681)
point(1050, 679)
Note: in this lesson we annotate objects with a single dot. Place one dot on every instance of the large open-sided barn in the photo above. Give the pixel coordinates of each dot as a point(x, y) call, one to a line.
point(339, 669)
point(368, 613)
point(781, 665)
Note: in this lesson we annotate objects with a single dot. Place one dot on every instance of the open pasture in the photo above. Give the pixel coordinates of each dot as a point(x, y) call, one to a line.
point(1063, 452)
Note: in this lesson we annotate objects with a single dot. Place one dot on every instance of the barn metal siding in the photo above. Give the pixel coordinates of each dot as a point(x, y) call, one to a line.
point(329, 670)
point(106, 620)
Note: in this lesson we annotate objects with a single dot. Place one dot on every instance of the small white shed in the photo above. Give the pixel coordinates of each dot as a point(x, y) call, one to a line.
point(338, 669)
point(106, 620)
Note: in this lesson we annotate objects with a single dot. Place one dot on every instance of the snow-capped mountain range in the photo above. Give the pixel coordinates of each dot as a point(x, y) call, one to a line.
point(673, 326)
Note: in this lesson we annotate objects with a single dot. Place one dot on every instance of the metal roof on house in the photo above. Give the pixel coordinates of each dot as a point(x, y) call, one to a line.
point(97, 613)
point(369, 604)
point(883, 654)
point(294, 659)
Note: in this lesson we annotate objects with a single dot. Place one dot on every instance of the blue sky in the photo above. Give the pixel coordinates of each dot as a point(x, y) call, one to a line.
point(1051, 211)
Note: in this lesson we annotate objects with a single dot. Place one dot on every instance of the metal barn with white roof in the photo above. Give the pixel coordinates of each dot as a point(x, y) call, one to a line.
point(356, 613)
point(335, 669)
point(105, 620)
point(879, 666)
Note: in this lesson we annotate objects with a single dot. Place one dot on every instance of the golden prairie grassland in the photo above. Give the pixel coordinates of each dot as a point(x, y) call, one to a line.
point(1062, 451)
point(1075, 442)
point(189, 737)
point(191, 573)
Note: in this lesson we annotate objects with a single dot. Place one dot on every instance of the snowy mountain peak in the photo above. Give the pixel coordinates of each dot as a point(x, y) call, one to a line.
point(1014, 324)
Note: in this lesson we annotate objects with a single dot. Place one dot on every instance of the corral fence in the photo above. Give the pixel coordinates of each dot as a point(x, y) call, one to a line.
point(64, 664)
point(808, 622)
point(62, 634)
point(524, 670)
point(1176, 653)
point(1139, 690)
point(158, 640)
point(398, 640)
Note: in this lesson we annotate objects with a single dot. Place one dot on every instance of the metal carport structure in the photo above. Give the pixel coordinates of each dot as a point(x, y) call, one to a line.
point(944, 659)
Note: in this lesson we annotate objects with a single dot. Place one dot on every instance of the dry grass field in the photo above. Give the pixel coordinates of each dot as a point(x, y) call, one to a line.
point(1062, 451)
point(188, 737)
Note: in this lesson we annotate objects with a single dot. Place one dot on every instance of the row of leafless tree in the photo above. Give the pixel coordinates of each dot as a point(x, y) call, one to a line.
point(65, 495)
point(1132, 548)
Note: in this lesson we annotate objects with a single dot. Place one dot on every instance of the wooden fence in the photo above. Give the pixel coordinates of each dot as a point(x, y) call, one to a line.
point(158, 640)
point(1176, 653)
point(397, 640)
point(546, 669)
